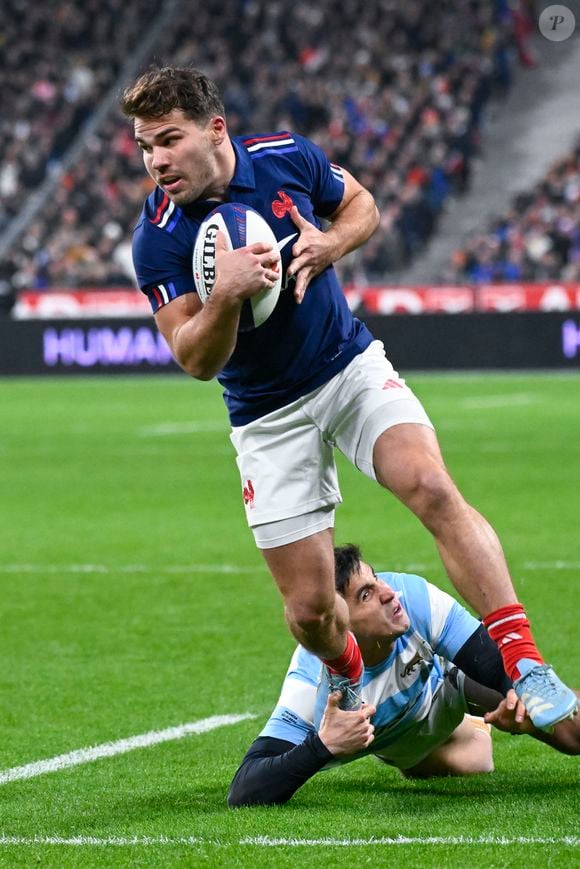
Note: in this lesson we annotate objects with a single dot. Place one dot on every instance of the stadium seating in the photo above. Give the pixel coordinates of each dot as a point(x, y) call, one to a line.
point(58, 59)
point(538, 239)
point(401, 109)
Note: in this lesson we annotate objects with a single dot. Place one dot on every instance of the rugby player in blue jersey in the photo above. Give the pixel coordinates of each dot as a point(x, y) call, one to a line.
point(419, 647)
point(309, 379)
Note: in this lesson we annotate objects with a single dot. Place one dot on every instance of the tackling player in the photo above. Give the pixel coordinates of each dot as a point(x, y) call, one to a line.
point(414, 715)
point(312, 377)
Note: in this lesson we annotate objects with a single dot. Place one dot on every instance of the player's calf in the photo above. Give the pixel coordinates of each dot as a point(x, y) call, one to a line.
point(468, 751)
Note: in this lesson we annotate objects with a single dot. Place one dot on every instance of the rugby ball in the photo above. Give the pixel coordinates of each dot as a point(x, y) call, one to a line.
point(241, 225)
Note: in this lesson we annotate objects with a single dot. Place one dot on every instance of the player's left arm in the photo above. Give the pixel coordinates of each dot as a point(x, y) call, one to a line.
point(480, 658)
point(351, 224)
point(273, 769)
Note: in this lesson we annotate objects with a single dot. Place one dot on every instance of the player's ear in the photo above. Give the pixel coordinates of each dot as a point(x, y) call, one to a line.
point(218, 129)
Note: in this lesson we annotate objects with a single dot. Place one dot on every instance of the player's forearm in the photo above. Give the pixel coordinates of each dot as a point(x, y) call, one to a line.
point(564, 738)
point(204, 344)
point(273, 770)
point(353, 225)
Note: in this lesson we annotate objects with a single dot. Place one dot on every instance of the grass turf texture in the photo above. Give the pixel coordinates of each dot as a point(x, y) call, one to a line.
point(133, 599)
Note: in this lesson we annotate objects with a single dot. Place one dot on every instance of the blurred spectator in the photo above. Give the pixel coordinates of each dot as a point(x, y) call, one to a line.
point(538, 239)
point(393, 90)
point(59, 57)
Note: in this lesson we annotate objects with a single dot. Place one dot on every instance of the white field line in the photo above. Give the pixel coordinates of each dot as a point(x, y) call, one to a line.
point(227, 568)
point(167, 429)
point(412, 567)
point(424, 567)
point(266, 841)
point(490, 402)
point(121, 746)
point(128, 568)
point(413, 840)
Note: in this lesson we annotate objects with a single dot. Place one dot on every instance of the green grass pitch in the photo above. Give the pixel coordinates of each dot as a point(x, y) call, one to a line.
point(133, 600)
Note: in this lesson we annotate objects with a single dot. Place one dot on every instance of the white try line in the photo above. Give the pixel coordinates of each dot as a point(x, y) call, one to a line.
point(121, 746)
point(167, 429)
point(266, 841)
point(411, 840)
point(418, 567)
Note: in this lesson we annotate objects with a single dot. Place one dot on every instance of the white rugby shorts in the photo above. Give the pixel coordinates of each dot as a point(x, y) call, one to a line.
point(286, 458)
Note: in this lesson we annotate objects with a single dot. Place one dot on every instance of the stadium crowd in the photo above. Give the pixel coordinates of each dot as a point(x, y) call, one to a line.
point(51, 80)
point(538, 239)
point(393, 90)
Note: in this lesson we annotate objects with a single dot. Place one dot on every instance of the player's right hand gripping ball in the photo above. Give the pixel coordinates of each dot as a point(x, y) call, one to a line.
point(241, 226)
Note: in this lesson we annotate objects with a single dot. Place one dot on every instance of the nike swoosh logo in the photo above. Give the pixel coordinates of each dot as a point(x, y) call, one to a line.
point(284, 241)
point(281, 244)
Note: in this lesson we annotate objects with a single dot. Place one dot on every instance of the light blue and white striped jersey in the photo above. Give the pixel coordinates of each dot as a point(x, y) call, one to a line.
point(402, 686)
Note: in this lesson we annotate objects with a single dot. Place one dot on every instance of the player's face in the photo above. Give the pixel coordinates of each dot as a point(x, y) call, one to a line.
point(374, 608)
point(180, 155)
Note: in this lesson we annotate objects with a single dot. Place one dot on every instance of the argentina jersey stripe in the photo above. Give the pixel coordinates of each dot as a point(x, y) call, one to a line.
point(403, 689)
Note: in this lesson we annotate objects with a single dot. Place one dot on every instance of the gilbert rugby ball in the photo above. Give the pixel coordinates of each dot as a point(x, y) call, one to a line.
point(241, 225)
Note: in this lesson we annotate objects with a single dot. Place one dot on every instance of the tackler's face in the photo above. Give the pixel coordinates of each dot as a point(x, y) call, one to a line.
point(374, 608)
point(180, 154)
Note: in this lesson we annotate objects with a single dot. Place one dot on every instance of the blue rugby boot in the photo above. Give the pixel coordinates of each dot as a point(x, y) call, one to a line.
point(546, 698)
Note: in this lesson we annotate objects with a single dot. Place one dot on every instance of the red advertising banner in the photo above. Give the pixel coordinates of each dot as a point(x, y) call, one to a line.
point(498, 298)
point(77, 304)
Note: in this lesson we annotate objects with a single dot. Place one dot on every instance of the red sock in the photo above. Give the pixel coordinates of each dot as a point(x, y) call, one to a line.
point(510, 628)
point(350, 663)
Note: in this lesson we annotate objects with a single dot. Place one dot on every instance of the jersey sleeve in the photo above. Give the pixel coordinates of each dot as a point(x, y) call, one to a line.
point(326, 178)
point(293, 716)
point(451, 624)
point(438, 617)
point(273, 770)
point(163, 262)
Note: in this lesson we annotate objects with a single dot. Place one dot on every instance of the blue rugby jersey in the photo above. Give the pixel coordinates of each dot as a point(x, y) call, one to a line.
point(299, 347)
point(402, 686)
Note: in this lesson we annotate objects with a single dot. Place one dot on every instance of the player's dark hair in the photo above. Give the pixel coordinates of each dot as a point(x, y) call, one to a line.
point(159, 91)
point(347, 561)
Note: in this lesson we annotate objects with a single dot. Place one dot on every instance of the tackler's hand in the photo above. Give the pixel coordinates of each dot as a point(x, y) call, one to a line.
point(510, 716)
point(345, 733)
